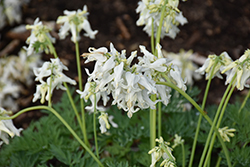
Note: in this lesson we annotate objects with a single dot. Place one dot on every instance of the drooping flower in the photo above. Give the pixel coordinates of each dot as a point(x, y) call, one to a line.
point(220, 62)
point(7, 128)
point(74, 22)
point(162, 151)
point(51, 76)
point(40, 38)
point(150, 14)
point(104, 120)
point(240, 68)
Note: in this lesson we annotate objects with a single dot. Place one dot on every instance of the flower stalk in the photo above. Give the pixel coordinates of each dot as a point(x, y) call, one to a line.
point(204, 114)
point(64, 123)
point(200, 116)
point(81, 88)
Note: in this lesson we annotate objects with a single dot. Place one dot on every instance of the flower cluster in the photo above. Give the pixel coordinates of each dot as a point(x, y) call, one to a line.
point(225, 132)
point(40, 38)
point(53, 72)
point(16, 71)
point(238, 69)
point(130, 86)
point(10, 11)
point(164, 151)
point(7, 127)
point(75, 21)
point(150, 14)
point(216, 62)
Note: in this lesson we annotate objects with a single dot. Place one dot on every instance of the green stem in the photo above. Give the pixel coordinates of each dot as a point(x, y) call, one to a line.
point(152, 121)
point(200, 116)
point(214, 122)
point(63, 121)
point(203, 113)
point(158, 35)
point(50, 85)
point(69, 95)
point(51, 47)
point(167, 152)
point(94, 126)
point(81, 89)
point(152, 37)
point(218, 123)
point(218, 162)
point(244, 102)
point(159, 119)
point(183, 155)
point(195, 140)
point(73, 106)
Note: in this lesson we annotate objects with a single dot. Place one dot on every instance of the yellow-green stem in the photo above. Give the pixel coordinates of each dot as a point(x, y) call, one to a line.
point(73, 106)
point(69, 95)
point(218, 124)
point(200, 116)
point(63, 121)
point(94, 126)
point(158, 35)
point(167, 152)
point(218, 162)
point(50, 85)
point(159, 119)
point(183, 155)
point(152, 37)
point(152, 121)
point(81, 89)
point(214, 123)
point(203, 114)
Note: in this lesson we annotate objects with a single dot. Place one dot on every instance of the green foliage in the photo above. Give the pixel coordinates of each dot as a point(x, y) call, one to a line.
point(48, 143)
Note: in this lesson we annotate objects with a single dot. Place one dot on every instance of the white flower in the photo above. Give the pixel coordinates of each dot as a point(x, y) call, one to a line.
point(240, 68)
point(10, 12)
point(167, 163)
point(96, 55)
point(92, 99)
point(164, 93)
point(16, 71)
point(39, 36)
point(222, 61)
point(160, 152)
point(104, 120)
point(41, 91)
point(53, 73)
point(184, 62)
point(7, 127)
point(75, 21)
point(181, 19)
point(175, 74)
point(129, 86)
point(155, 157)
point(150, 14)
point(111, 117)
point(225, 132)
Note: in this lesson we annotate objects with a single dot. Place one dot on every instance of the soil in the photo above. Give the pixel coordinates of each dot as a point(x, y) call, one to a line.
point(213, 27)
